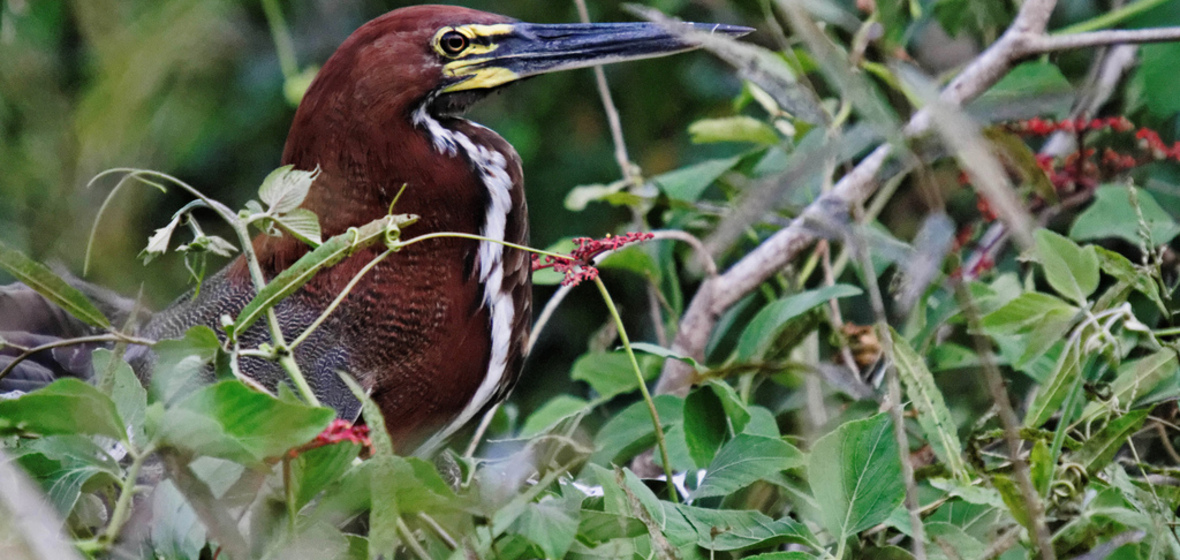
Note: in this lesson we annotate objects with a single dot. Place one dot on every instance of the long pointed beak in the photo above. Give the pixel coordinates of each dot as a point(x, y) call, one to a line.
point(529, 49)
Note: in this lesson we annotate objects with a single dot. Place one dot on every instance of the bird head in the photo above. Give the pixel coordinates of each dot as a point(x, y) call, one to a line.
point(449, 57)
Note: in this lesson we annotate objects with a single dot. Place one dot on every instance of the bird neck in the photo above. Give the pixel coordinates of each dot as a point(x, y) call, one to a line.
point(457, 176)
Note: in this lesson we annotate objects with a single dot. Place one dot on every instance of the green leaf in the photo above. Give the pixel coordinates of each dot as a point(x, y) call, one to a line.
point(331, 252)
point(955, 538)
point(610, 373)
point(378, 434)
point(64, 465)
point(1041, 466)
point(40, 279)
point(231, 421)
point(1025, 312)
point(1112, 214)
point(855, 475)
point(284, 189)
point(557, 409)
point(158, 242)
point(316, 469)
point(581, 196)
point(733, 129)
point(656, 350)
point(1124, 270)
point(598, 526)
point(550, 524)
point(1097, 452)
point(1012, 497)
point(722, 530)
point(1156, 72)
point(127, 393)
point(933, 415)
point(176, 531)
point(303, 225)
point(689, 183)
point(181, 363)
point(744, 460)
point(1135, 379)
point(1051, 395)
point(1070, 269)
point(736, 411)
point(634, 259)
point(65, 407)
point(631, 431)
point(705, 425)
point(764, 327)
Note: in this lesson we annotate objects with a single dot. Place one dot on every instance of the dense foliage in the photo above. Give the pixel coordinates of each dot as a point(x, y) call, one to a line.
point(972, 356)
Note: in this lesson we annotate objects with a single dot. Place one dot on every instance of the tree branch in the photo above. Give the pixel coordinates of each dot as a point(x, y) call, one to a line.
point(718, 294)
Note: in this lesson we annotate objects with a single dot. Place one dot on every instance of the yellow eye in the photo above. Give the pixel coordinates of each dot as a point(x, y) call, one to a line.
point(453, 43)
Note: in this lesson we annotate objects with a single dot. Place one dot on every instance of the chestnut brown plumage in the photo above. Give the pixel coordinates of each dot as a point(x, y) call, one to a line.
point(437, 331)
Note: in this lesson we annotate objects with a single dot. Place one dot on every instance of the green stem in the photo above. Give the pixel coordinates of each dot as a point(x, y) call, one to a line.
point(340, 298)
point(399, 245)
point(1111, 18)
point(289, 494)
point(284, 46)
point(411, 542)
point(651, 404)
point(122, 512)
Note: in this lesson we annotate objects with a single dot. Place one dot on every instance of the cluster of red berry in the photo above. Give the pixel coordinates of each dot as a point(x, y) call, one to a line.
point(579, 266)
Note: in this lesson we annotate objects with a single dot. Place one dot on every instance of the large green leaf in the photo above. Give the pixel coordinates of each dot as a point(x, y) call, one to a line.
point(1051, 395)
point(65, 407)
point(855, 475)
point(63, 465)
point(705, 425)
point(557, 409)
point(1112, 214)
point(611, 373)
point(763, 328)
point(232, 421)
point(631, 431)
point(933, 415)
point(314, 470)
point(1070, 269)
point(690, 182)
point(745, 459)
point(552, 524)
point(721, 530)
point(1097, 452)
point(43, 281)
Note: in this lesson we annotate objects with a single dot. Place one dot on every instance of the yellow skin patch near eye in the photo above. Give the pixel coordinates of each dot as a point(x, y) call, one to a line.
point(463, 66)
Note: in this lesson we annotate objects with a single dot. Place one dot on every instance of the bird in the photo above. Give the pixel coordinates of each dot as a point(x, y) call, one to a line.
point(435, 333)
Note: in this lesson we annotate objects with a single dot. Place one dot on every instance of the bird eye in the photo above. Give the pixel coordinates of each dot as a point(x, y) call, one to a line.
point(453, 42)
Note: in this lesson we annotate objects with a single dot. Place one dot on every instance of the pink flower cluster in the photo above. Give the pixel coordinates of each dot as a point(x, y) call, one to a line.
point(336, 432)
point(579, 267)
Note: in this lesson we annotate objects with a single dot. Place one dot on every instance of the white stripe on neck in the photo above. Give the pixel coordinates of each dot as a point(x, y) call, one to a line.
point(492, 168)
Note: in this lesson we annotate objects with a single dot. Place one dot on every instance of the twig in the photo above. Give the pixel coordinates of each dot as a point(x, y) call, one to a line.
point(115, 337)
point(1010, 423)
point(1050, 43)
point(912, 503)
point(612, 113)
point(697, 245)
